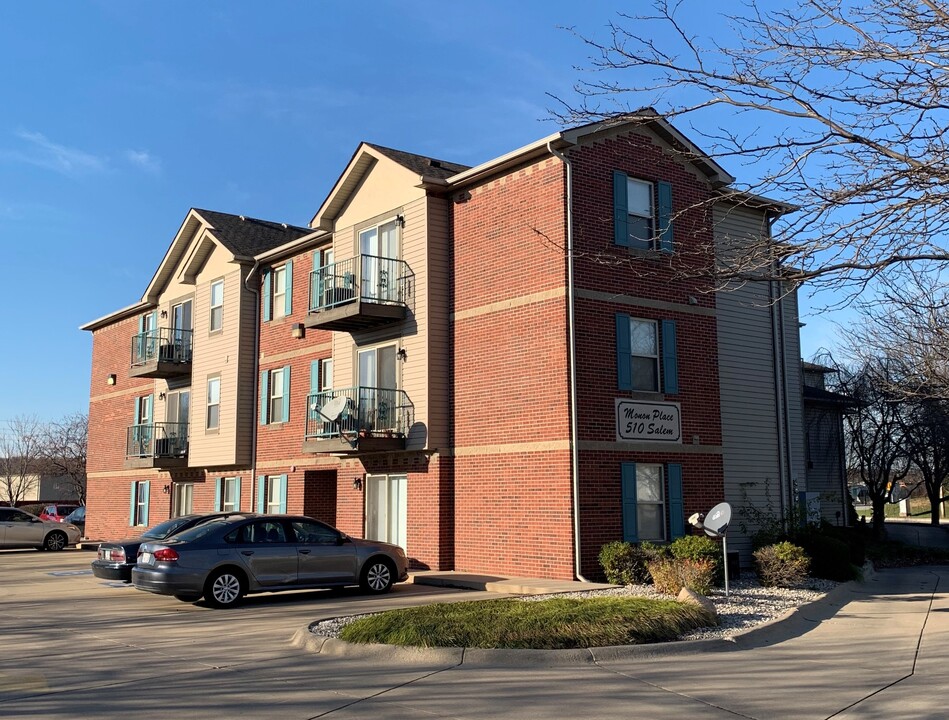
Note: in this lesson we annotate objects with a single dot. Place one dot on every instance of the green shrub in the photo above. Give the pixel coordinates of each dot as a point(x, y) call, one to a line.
point(626, 564)
point(830, 557)
point(670, 574)
point(782, 565)
point(33, 509)
point(699, 547)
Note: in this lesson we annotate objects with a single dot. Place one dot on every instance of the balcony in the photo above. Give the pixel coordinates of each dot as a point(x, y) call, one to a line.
point(372, 420)
point(157, 445)
point(359, 293)
point(161, 353)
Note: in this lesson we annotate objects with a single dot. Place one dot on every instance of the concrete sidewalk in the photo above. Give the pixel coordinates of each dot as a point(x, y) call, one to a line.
point(868, 650)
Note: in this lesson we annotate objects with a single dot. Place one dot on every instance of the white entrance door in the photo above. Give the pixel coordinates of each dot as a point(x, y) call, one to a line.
point(379, 247)
point(387, 508)
point(377, 386)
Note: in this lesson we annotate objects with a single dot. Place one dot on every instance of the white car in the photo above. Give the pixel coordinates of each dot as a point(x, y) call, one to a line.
point(21, 529)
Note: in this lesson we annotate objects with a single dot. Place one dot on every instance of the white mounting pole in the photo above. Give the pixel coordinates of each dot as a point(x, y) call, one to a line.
point(725, 553)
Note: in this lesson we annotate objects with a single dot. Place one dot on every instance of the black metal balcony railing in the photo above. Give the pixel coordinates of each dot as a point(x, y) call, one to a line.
point(167, 345)
point(157, 440)
point(367, 278)
point(369, 411)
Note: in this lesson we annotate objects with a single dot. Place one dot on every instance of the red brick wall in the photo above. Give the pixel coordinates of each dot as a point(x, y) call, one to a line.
point(512, 509)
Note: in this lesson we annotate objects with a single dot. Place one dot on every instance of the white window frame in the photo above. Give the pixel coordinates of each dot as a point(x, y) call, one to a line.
point(656, 358)
point(212, 402)
point(216, 317)
point(326, 375)
point(278, 285)
point(183, 498)
point(141, 503)
point(661, 503)
point(275, 397)
point(273, 498)
point(229, 494)
point(649, 242)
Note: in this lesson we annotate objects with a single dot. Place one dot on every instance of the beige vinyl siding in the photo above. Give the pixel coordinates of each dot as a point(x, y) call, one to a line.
point(747, 375)
point(386, 192)
point(792, 355)
point(215, 353)
point(247, 370)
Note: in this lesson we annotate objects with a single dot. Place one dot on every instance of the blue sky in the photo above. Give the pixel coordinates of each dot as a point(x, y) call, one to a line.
point(119, 116)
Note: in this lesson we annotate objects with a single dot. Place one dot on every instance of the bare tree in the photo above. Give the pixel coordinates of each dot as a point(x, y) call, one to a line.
point(876, 445)
point(926, 431)
point(21, 455)
point(64, 452)
point(840, 106)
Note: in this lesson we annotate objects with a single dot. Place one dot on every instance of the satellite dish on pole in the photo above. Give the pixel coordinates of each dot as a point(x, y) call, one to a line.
point(331, 411)
point(717, 519)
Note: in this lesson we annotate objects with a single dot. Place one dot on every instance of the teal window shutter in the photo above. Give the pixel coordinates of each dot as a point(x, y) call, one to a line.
point(670, 360)
point(265, 296)
point(237, 494)
point(676, 512)
point(620, 210)
point(283, 493)
point(133, 501)
point(286, 394)
point(219, 494)
point(261, 493)
point(144, 517)
point(624, 353)
point(664, 215)
point(630, 531)
point(316, 372)
point(288, 298)
point(155, 320)
point(149, 400)
point(141, 324)
point(264, 396)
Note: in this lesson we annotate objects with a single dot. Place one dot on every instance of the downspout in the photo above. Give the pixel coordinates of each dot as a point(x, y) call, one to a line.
point(256, 404)
point(572, 342)
point(777, 350)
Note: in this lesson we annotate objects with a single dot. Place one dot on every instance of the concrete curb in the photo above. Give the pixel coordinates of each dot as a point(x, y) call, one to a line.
point(793, 623)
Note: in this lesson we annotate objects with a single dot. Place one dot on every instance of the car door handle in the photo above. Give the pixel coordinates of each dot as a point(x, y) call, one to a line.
point(248, 553)
point(304, 552)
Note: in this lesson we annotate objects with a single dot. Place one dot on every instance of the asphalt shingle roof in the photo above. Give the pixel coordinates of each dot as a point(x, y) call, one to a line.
point(420, 164)
point(247, 236)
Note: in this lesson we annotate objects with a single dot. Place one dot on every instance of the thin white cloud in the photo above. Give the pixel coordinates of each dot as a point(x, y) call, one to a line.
point(44, 153)
point(144, 160)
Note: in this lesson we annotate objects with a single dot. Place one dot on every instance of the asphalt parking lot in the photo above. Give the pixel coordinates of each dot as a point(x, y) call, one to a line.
point(72, 646)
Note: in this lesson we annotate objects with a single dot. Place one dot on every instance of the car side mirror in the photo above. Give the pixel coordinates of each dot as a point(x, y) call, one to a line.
point(35, 520)
point(343, 539)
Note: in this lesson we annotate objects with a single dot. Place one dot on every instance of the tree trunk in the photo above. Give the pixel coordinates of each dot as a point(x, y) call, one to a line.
point(879, 513)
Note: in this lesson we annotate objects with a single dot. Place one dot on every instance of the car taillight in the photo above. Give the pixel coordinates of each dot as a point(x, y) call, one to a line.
point(112, 554)
point(166, 555)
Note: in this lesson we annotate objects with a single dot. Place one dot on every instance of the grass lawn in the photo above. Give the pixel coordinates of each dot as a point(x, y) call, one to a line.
point(557, 623)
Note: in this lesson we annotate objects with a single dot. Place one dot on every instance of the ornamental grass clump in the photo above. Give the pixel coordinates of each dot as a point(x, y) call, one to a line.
point(783, 564)
point(670, 575)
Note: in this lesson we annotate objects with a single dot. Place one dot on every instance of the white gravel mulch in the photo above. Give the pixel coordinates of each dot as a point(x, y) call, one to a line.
point(747, 605)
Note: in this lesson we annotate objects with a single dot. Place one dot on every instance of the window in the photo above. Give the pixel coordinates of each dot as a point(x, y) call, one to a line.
point(277, 292)
point(272, 494)
point(642, 213)
point(183, 500)
point(214, 403)
point(646, 355)
point(651, 495)
point(275, 396)
point(378, 386)
point(138, 503)
point(379, 250)
point(217, 306)
point(228, 494)
point(311, 532)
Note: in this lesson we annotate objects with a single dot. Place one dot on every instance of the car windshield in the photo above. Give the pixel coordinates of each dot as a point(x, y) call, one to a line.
point(164, 529)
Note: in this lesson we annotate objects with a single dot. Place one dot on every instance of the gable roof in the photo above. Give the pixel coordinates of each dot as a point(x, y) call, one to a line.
point(246, 236)
point(420, 164)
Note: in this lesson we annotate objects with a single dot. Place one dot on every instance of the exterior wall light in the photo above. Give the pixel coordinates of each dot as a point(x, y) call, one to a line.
point(298, 331)
point(110, 380)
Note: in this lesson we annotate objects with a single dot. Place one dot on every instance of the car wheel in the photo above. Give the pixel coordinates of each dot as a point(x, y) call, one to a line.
point(56, 540)
point(377, 576)
point(224, 588)
point(188, 598)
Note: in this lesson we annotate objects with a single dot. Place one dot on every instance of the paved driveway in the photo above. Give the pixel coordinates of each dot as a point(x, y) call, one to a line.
point(78, 648)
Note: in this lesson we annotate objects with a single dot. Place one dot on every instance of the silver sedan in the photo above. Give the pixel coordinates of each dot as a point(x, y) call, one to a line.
point(224, 559)
point(19, 528)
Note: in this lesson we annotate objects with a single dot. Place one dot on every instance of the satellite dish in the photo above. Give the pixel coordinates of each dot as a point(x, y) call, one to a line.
point(717, 519)
point(334, 408)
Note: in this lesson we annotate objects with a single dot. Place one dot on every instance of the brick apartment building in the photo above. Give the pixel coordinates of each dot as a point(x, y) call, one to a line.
point(492, 366)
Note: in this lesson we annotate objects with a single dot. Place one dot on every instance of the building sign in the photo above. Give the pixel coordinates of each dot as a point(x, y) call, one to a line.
point(648, 421)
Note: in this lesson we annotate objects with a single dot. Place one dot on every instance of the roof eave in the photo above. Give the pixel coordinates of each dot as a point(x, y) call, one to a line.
point(116, 316)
